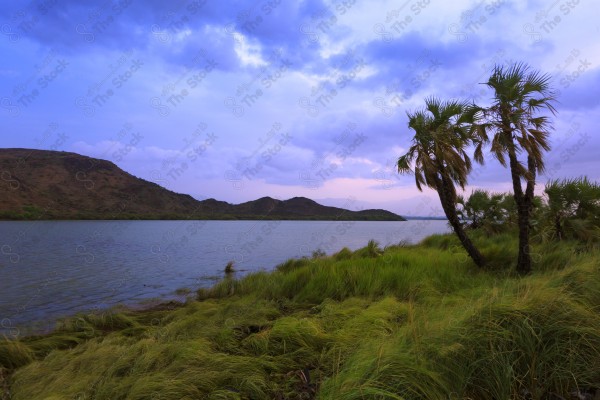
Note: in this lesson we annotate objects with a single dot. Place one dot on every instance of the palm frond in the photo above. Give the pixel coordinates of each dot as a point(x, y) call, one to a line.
point(403, 164)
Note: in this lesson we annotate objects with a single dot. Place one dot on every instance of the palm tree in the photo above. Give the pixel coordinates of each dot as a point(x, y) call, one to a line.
point(574, 208)
point(520, 95)
point(442, 132)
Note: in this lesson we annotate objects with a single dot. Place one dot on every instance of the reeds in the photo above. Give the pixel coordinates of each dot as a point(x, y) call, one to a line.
point(407, 322)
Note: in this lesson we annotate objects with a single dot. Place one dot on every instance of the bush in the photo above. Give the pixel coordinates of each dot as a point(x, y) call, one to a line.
point(14, 354)
point(292, 264)
point(344, 254)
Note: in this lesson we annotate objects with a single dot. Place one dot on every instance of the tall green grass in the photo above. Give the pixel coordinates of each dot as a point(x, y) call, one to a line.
point(407, 322)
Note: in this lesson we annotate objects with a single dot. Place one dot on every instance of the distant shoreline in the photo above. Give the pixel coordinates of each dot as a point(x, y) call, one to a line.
point(273, 218)
point(221, 219)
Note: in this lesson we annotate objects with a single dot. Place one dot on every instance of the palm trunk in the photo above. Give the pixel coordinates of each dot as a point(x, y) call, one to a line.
point(524, 258)
point(558, 227)
point(523, 213)
point(448, 199)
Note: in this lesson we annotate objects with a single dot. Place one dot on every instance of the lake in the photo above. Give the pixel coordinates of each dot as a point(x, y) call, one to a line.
point(52, 269)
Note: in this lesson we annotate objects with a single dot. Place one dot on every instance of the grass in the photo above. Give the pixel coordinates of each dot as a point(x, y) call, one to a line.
point(407, 322)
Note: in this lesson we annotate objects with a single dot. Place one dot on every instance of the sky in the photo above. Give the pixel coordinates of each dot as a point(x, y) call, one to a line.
point(237, 100)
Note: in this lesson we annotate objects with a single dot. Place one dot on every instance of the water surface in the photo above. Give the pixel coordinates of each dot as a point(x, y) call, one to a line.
point(51, 269)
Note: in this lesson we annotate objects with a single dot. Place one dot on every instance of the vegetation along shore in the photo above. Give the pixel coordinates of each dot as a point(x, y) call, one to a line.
point(405, 322)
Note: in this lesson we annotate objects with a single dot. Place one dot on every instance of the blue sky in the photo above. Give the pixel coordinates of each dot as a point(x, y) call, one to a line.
point(242, 99)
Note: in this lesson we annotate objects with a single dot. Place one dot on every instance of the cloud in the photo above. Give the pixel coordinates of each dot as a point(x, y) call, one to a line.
point(579, 87)
point(323, 71)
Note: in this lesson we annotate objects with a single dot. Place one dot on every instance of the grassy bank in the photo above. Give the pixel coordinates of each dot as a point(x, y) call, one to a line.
point(410, 322)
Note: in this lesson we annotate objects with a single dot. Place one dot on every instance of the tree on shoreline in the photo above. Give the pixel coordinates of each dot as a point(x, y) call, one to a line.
point(483, 209)
point(443, 130)
point(573, 209)
point(514, 119)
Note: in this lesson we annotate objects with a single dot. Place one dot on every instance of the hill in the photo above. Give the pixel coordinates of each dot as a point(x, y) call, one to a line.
point(42, 184)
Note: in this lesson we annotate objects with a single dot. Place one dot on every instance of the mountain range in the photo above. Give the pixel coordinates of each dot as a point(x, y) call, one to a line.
point(45, 184)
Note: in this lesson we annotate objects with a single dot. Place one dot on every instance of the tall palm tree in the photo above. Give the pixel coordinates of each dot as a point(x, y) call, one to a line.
point(516, 118)
point(443, 130)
